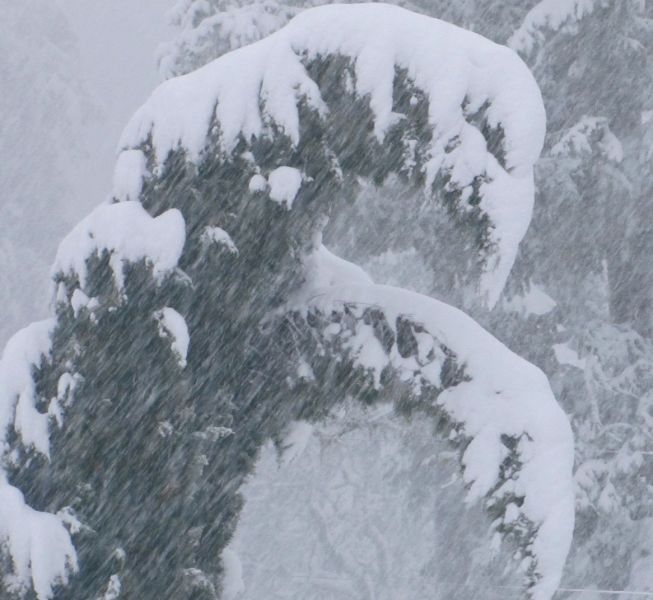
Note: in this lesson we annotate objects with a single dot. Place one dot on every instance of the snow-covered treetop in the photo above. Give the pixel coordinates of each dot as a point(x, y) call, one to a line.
point(588, 132)
point(484, 109)
point(459, 70)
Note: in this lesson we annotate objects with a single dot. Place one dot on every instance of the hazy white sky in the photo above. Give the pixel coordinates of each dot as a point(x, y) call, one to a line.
point(117, 42)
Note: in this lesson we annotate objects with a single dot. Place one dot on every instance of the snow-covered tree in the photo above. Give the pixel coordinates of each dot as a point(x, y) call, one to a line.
point(584, 107)
point(199, 315)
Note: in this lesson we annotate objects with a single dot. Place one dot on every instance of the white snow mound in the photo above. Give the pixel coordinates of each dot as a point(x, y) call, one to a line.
point(173, 326)
point(128, 232)
point(284, 185)
point(128, 175)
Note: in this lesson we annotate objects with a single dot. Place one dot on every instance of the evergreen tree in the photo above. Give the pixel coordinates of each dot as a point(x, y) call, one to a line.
point(205, 318)
point(612, 38)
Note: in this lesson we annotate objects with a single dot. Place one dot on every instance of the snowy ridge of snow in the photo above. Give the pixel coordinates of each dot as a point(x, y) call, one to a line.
point(459, 72)
point(550, 15)
point(128, 232)
point(506, 396)
point(38, 545)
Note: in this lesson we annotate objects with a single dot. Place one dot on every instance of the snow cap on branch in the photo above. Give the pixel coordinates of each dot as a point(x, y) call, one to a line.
point(128, 233)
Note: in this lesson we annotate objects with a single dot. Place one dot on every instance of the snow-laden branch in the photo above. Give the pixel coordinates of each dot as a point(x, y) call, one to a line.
point(517, 442)
point(127, 233)
point(35, 544)
point(484, 127)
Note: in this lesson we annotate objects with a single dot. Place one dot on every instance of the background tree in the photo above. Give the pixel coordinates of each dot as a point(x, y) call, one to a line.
point(207, 29)
point(587, 249)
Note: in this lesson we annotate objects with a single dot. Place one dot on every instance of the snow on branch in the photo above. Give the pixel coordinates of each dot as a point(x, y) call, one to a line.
point(173, 326)
point(128, 233)
point(588, 134)
point(516, 442)
point(23, 353)
point(37, 544)
point(550, 16)
point(484, 123)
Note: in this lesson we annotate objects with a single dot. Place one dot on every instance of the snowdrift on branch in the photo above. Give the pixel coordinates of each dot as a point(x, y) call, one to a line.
point(485, 118)
point(127, 233)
